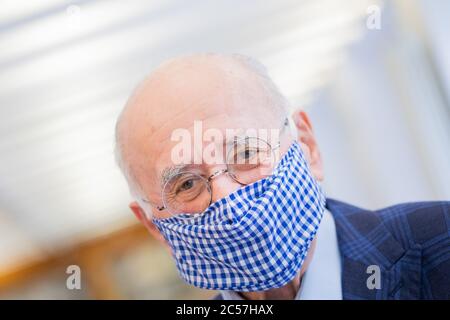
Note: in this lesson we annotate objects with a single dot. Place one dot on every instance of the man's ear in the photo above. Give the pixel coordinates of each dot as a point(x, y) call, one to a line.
point(142, 217)
point(308, 142)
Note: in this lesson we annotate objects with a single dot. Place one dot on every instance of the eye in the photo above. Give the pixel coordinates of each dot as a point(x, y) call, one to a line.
point(186, 185)
point(247, 155)
point(185, 188)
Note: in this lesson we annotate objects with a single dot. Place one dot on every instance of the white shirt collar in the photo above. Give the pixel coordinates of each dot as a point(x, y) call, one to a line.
point(322, 280)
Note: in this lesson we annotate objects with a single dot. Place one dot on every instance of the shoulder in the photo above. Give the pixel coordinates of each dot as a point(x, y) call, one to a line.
point(415, 223)
point(419, 223)
point(425, 225)
point(411, 238)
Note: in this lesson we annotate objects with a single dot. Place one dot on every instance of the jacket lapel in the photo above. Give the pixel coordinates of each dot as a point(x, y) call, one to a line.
point(369, 252)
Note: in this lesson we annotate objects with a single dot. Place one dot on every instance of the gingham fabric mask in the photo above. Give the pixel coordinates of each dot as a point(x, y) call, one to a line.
point(254, 239)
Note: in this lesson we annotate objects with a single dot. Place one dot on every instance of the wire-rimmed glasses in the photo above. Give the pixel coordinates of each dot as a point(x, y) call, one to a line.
point(248, 160)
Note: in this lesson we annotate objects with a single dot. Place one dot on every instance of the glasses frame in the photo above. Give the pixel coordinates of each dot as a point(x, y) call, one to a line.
point(215, 174)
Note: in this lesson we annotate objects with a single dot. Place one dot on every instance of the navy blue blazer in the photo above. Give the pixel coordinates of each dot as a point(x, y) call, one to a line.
point(409, 242)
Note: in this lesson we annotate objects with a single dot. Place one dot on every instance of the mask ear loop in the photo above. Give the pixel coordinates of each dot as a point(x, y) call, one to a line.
point(146, 207)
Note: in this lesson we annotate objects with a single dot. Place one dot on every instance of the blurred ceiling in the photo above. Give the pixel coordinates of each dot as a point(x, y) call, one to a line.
point(67, 67)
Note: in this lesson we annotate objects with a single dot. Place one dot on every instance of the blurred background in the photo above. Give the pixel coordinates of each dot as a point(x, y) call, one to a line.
point(373, 75)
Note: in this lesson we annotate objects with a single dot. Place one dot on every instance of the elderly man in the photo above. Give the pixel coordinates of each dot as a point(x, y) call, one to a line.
point(231, 183)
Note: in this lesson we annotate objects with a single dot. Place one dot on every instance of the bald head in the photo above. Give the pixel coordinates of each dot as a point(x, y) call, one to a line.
point(222, 91)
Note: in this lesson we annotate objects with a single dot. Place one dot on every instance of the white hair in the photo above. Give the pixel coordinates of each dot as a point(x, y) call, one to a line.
point(250, 64)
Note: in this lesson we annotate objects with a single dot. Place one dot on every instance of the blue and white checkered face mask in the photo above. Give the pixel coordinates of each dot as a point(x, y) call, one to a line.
point(254, 239)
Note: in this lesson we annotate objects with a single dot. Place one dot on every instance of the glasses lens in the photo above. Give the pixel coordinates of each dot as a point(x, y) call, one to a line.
point(186, 193)
point(250, 160)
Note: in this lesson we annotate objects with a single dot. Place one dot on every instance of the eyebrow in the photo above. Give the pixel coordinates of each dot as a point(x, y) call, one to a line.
point(169, 172)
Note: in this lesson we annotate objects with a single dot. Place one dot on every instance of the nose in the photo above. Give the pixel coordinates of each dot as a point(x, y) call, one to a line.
point(222, 186)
